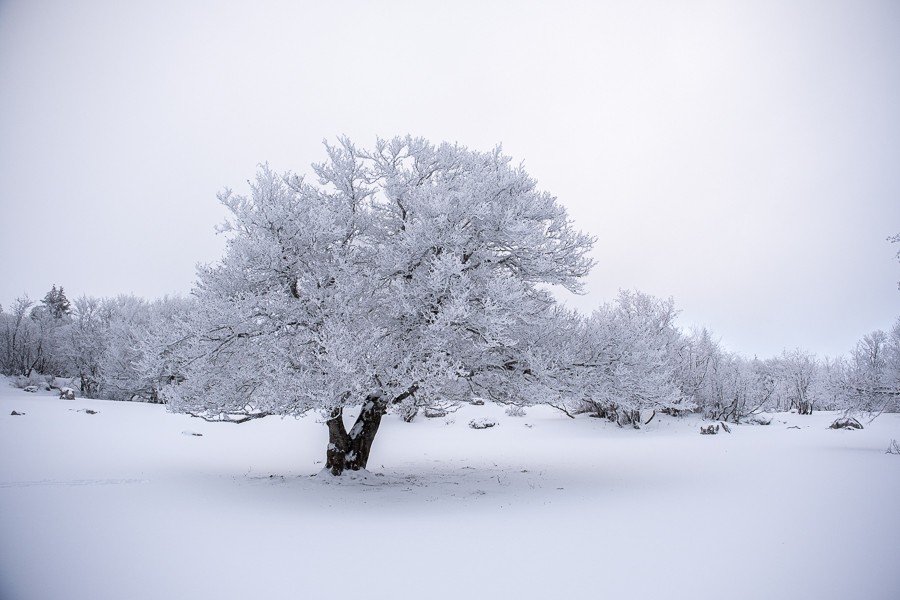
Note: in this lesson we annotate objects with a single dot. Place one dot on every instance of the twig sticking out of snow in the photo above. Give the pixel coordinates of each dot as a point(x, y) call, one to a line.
point(894, 447)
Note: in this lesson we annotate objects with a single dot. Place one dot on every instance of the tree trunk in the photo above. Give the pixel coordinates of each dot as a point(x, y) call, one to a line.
point(338, 442)
point(351, 450)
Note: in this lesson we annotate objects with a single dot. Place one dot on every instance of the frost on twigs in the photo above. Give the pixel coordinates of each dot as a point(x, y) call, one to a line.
point(405, 277)
point(515, 411)
point(846, 423)
point(482, 423)
point(223, 417)
point(894, 447)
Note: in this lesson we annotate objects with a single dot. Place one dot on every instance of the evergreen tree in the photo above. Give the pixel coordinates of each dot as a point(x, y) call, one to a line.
point(56, 303)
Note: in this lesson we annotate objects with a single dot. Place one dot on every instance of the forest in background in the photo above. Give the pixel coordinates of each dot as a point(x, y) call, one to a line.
point(415, 276)
point(99, 346)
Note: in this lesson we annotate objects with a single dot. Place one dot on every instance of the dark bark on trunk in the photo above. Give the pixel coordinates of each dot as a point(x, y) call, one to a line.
point(351, 450)
point(363, 432)
point(338, 443)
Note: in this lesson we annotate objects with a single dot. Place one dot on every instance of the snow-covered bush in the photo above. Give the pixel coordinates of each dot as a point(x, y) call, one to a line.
point(618, 361)
point(515, 411)
point(710, 429)
point(872, 376)
point(34, 380)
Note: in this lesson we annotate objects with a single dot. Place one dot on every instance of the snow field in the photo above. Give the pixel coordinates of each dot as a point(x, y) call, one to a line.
point(127, 503)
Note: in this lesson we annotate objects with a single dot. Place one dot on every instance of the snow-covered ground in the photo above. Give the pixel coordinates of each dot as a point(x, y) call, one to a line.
point(127, 503)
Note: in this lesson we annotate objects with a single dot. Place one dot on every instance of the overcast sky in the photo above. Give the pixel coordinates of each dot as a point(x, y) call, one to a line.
point(742, 157)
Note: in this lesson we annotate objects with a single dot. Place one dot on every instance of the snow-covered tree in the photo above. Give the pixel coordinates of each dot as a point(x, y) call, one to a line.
point(131, 322)
point(56, 303)
point(797, 372)
point(872, 380)
point(411, 273)
point(696, 357)
point(31, 336)
point(17, 337)
point(723, 385)
point(628, 365)
point(86, 343)
point(152, 362)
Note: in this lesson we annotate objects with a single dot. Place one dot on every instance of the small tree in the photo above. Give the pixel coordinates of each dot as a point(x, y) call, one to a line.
point(410, 274)
point(138, 359)
point(18, 339)
point(86, 343)
point(628, 360)
point(872, 379)
point(797, 371)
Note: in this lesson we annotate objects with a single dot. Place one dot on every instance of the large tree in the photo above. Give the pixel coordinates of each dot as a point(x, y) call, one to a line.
point(410, 274)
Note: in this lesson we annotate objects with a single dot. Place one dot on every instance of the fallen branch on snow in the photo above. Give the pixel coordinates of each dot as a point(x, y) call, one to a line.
point(846, 423)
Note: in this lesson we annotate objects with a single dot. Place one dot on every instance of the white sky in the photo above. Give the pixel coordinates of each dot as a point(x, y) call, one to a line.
point(742, 157)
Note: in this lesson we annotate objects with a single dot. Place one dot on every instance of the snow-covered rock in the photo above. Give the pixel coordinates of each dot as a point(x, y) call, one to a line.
point(760, 419)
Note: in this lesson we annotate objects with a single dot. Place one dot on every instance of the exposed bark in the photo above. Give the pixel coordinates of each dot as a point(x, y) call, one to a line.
point(338, 443)
point(363, 432)
point(632, 417)
point(350, 450)
point(408, 413)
